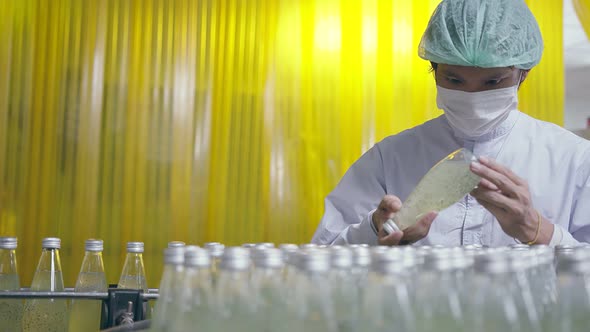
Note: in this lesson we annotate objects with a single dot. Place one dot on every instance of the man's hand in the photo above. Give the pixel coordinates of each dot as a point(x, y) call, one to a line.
point(508, 198)
point(388, 207)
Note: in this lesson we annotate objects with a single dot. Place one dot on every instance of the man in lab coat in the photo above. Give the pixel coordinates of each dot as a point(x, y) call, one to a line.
point(535, 185)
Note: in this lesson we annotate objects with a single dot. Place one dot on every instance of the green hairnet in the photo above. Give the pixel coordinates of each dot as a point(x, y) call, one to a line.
point(482, 33)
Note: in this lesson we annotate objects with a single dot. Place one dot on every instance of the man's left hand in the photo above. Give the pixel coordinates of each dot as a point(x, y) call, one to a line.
point(508, 198)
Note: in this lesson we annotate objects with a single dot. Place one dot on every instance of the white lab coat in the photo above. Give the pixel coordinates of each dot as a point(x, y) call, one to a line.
point(554, 161)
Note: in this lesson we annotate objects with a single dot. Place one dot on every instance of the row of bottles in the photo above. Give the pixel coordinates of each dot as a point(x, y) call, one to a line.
point(357, 288)
point(48, 315)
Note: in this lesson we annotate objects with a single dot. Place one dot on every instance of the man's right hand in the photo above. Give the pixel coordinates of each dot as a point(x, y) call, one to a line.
point(387, 209)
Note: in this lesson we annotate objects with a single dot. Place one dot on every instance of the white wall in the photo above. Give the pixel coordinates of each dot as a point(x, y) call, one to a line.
point(577, 70)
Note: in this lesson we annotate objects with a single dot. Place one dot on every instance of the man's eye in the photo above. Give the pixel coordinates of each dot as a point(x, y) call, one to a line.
point(454, 80)
point(494, 82)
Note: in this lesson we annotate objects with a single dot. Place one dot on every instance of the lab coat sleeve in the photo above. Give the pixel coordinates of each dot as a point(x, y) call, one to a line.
point(579, 227)
point(349, 207)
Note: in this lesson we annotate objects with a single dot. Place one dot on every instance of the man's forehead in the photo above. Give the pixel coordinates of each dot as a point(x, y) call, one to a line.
point(474, 71)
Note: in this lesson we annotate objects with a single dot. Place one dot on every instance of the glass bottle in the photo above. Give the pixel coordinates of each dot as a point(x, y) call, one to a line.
point(438, 299)
point(133, 273)
point(47, 315)
point(170, 289)
point(194, 309)
point(234, 309)
point(268, 288)
point(571, 313)
point(11, 310)
point(386, 303)
point(85, 314)
point(344, 290)
point(311, 298)
point(445, 184)
point(215, 250)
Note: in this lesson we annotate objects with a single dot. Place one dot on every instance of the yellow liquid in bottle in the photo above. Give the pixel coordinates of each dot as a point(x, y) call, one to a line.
point(45, 315)
point(11, 310)
point(85, 314)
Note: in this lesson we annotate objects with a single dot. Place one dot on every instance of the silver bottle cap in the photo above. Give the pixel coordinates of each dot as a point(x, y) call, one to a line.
point(174, 255)
point(564, 248)
point(265, 244)
point(361, 256)
point(94, 245)
point(7, 242)
point(520, 260)
point(313, 260)
point(377, 249)
point(520, 246)
point(390, 227)
point(235, 258)
point(288, 246)
point(135, 247)
point(268, 258)
point(340, 257)
point(173, 244)
point(289, 251)
point(51, 243)
point(442, 259)
point(308, 246)
point(249, 245)
point(473, 247)
point(215, 249)
point(390, 261)
point(577, 262)
point(492, 263)
point(197, 257)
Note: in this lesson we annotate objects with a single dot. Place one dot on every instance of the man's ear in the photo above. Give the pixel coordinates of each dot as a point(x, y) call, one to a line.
point(523, 75)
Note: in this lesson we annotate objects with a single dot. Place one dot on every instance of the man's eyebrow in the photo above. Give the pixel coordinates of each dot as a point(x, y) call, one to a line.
point(498, 75)
point(452, 74)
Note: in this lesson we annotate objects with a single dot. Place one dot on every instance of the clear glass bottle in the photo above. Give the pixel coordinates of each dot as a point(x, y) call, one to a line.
point(47, 315)
point(571, 313)
point(169, 291)
point(11, 310)
point(361, 261)
point(438, 304)
point(234, 308)
point(561, 251)
point(344, 289)
point(492, 286)
point(268, 287)
point(215, 250)
point(289, 252)
point(386, 303)
point(85, 315)
point(194, 309)
point(528, 303)
point(445, 184)
point(311, 300)
point(133, 274)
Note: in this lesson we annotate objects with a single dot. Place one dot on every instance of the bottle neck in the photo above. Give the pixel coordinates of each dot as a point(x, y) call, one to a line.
point(134, 264)
point(48, 275)
point(133, 274)
point(49, 261)
point(92, 262)
point(8, 262)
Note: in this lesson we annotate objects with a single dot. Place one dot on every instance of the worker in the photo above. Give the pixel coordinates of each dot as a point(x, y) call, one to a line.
point(535, 176)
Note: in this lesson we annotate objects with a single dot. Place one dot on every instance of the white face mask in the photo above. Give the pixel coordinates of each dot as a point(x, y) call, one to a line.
point(474, 114)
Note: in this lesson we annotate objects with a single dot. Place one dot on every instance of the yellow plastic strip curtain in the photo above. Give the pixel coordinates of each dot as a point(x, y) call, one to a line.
point(543, 93)
point(205, 120)
point(582, 8)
